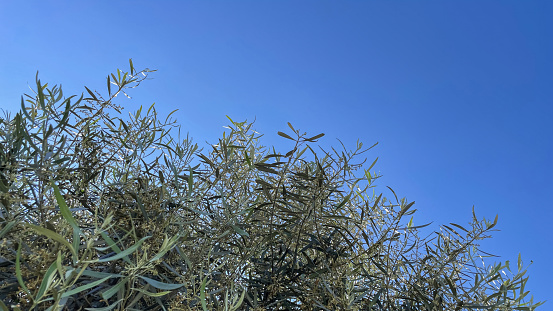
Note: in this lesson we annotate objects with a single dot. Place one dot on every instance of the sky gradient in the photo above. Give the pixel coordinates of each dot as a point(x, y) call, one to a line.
point(459, 94)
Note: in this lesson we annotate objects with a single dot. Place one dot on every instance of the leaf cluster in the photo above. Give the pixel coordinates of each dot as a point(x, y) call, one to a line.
point(104, 212)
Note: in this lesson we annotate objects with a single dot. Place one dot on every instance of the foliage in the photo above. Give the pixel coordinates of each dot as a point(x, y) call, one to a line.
point(101, 212)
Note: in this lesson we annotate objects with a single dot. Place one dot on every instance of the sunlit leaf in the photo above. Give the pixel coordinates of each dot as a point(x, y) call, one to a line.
point(54, 236)
point(113, 245)
point(46, 281)
point(202, 294)
point(7, 228)
point(161, 285)
point(114, 289)
point(147, 293)
point(124, 253)
point(84, 287)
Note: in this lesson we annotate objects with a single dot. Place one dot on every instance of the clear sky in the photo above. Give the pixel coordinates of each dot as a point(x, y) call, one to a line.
point(459, 94)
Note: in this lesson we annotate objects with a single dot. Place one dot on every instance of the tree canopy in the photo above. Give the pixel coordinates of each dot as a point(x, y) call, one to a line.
point(102, 211)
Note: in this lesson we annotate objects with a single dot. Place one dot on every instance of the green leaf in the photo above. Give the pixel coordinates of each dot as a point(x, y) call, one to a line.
point(18, 270)
point(115, 81)
point(147, 293)
point(202, 294)
point(94, 274)
point(46, 281)
point(376, 202)
point(451, 285)
point(231, 121)
point(247, 158)
point(346, 200)
point(284, 135)
point(40, 92)
point(239, 302)
point(91, 93)
point(312, 139)
point(374, 162)
point(265, 168)
point(59, 266)
point(494, 222)
point(3, 187)
point(84, 287)
point(289, 153)
point(3, 306)
point(460, 227)
point(54, 236)
point(421, 226)
point(406, 208)
point(124, 253)
point(337, 217)
point(291, 127)
point(161, 285)
point(7, 228)
point(166, 246)
point(240, 231)
point(113, 290)
point(207, 160)
point(66, 213)
point(113, 245)
point(109, 86)
point(492, 296)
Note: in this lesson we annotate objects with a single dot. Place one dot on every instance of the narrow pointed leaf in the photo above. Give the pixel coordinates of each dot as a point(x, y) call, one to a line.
point(3, 306)
point(374, 162)
point(147, 293)
point(312, 139)
point(124, 253)
point(113, 245)
point(84, 287)
point(54, 236)
point(113, 290)
point(46, 281)
point(202, 294)
point(91, 93)
point(284, 135)
point(240, 231)
point(161, 285)
point(291, 127)
point(18, 270)
point(7, 228)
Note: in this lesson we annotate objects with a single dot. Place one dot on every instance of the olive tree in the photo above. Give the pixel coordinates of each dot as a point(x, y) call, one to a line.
point(105, 211)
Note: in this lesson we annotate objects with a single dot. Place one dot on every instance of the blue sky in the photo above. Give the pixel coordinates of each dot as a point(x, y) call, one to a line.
point(459, 94)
